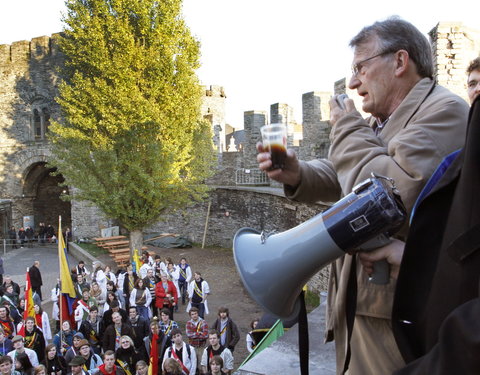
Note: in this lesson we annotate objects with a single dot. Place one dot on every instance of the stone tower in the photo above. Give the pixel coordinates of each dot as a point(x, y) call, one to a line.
point(253, 121)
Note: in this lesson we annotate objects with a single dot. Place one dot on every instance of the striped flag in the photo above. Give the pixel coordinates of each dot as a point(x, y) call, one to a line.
point(67, 294)
point(29, 310)
point(153, 367)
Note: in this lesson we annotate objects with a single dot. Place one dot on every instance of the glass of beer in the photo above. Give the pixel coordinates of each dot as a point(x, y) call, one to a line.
point(274, 139)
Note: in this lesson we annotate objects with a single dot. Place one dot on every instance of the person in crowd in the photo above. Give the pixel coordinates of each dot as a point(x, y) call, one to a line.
point(23, 364)
point(110, 276)
point(173, 275)
point(90, 328)
point(182, 352)
point(43, 322)
point(6, 344)
point(197, 333)
point(74, 350)
point(140, 327)
point(29, 233)
point(107, 315)
point(147, 258)
point(111, 297)
point(159, 267)
point(473, 81)
point(54, 363)
point(251, 343)
point(141, 368)
point(80, 285)
point(198, 291)
point(98, 275)
point(77, 366)
point(42, 234)
point(22, 237)
point(36, 278)
point(166, 295)
point(40, 370)
point(215, 348)
point(34, 338)
point(12, 300)
point(6, 322)
point(128, 284)
point(12, 236)
point(166, 324)
point(83, 307)
point(150, 281)
point(126, 355)
point(111, 337)
point(64, 341)
point(184, 277)
point(54, 294)
point(50, 233)
point(7, 280)
point(140, 298)
point(109, 367)
point(19, 349)
point(142, 272)
point(172, 367)
point(163, 342)
point(6, 366)
point(414, 123)
point(92, 360)
point(229, 333)
point(216, 366)
point(99, 295)
point(111, 287)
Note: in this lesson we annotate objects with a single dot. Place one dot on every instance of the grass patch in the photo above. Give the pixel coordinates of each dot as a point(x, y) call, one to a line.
point(312, 300)
point(93, 249)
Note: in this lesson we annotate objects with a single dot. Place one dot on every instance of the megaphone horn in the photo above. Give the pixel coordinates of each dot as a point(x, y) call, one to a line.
point(274, 267)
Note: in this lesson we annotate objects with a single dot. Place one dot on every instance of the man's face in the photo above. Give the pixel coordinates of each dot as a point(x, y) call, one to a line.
point(194, 315)
point(164, 317)
point(197, 276)
point(109, 361)
point(177, 339)
point(29, 324)
point(76, 370)
point(117, 318)
point(223, 315)
point(93, 315)
point(473, 85)
point(375, 80)
point(183, 262)
point(215, 367)
point(150, 273)
point(65, 326)
point(3, 313)
point(79, 278)
point(18, 344)
point(213, 339)
point(76, 341)
point(85, 351)
point(6, 368)
point(86, 295)
point(132, 313)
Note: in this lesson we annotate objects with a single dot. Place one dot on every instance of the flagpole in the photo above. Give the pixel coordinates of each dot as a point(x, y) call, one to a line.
point(60, 315)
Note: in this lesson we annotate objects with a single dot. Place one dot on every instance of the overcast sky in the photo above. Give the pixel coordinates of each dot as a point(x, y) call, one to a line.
point(263, 51)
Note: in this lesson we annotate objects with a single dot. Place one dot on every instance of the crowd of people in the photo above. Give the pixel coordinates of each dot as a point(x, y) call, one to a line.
point(115, 318)
point(27, 236)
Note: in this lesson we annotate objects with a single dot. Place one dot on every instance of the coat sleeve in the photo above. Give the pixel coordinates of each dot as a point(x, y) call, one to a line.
point(458, 347)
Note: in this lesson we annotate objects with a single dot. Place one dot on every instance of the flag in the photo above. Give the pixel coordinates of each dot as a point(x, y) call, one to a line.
point(66, 282)
point(272, 335)
point(153, 367)
point(136, 262)
point(67, 293)
point(29, 310)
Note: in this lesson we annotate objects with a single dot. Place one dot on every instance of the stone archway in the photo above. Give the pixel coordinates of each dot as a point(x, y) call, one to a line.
point(42, 188)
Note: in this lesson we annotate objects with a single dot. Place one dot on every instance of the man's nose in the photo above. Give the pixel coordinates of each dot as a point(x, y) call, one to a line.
point(354, 82)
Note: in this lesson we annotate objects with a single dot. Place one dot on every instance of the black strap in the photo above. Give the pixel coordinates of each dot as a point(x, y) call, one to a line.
point(303, 348)
point(351, 308)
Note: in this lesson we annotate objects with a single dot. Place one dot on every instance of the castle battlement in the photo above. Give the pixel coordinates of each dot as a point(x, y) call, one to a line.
point(25, 50)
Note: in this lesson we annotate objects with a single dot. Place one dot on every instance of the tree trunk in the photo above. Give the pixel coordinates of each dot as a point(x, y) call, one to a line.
point(136, 242)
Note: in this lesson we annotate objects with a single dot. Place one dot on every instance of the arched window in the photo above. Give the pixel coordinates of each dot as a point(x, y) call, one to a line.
point(40, 122)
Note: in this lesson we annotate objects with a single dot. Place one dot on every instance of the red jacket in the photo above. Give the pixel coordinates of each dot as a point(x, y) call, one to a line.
point(161, 299)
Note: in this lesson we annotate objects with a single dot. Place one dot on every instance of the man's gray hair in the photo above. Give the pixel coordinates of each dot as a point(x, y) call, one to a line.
point(395, 34)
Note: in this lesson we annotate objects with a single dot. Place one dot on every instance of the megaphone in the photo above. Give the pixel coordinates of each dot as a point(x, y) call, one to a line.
point(274, 267)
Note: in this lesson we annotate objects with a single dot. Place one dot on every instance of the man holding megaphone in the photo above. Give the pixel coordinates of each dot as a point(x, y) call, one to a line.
point(414, 123)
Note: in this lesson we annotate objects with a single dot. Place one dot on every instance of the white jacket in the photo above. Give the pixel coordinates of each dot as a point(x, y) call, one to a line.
point(190, 362)
point(205, 292)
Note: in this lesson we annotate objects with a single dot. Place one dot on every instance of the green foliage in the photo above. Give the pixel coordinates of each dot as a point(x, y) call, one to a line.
point(131, 138)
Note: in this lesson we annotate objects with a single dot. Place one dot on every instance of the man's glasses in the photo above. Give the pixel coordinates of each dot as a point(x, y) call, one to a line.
point(357, 67)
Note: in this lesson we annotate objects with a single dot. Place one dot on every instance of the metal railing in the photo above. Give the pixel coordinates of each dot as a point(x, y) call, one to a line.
point(10, 244)
point(253, 176)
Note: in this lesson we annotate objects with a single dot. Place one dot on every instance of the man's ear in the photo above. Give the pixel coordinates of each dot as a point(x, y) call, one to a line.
point(402, 62)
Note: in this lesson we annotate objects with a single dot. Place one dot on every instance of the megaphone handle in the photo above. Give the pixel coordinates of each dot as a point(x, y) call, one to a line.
point(381, 273)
